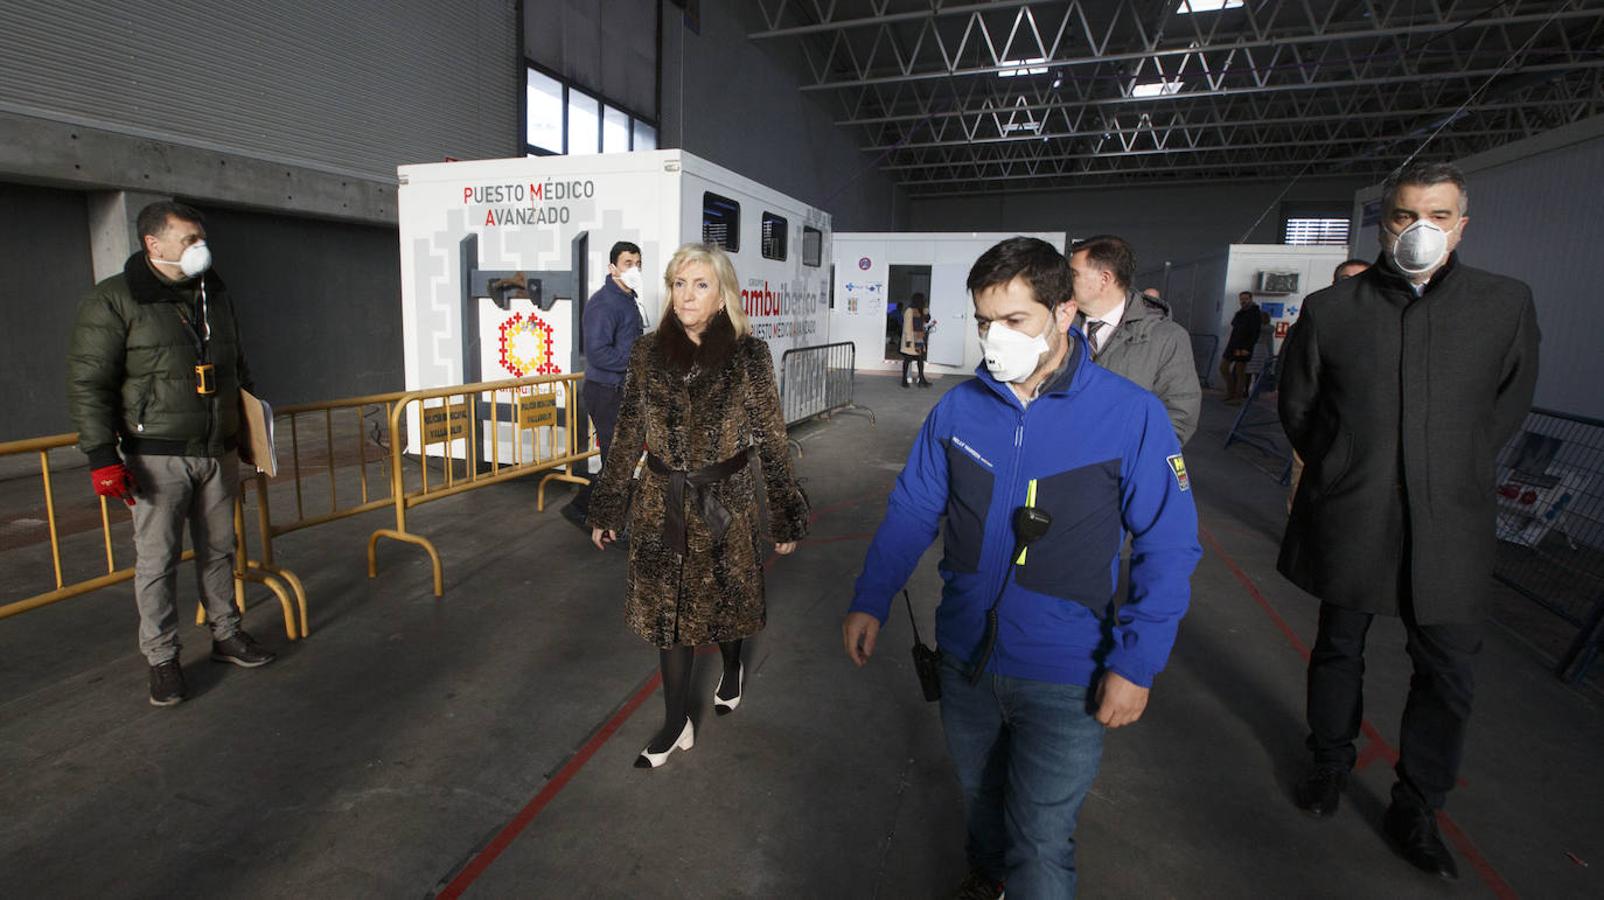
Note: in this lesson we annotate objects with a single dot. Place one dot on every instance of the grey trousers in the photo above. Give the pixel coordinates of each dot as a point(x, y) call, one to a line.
point(173, 491)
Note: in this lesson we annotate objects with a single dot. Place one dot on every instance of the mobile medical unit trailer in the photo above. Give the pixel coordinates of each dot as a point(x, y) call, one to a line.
point(499, 256)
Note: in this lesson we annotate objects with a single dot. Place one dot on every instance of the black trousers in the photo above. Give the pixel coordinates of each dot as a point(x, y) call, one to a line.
point(1436, 713)
point(912, 359)
point(601, 404)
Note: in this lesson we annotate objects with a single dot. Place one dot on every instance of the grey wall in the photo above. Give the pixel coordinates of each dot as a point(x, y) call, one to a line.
point(736, 103)
point(1534, 216)
point(319, 303)
point(354, 87)
point(44, 258)
point(607, 47)
point(1179, 224)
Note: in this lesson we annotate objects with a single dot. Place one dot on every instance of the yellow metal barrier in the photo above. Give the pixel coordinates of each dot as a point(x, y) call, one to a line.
point(449, 418)
point(288, 422)
point(245, 569)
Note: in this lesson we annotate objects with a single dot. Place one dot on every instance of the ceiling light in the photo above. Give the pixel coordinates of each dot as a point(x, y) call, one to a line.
point(1156, 88)
point(1203, 6)
point(1029, 66)
point(1019, 126)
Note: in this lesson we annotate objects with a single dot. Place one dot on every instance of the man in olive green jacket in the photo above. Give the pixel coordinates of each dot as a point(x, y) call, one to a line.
point(154, 371)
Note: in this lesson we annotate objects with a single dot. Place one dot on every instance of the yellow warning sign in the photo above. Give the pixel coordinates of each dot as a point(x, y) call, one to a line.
point(539, 411)
point(445, 423)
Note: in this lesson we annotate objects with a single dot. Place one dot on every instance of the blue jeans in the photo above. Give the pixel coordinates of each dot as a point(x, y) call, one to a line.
point(1026, 754)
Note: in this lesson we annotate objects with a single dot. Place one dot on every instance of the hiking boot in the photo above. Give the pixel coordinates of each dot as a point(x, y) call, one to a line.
point(241, 650)
point(167, 684)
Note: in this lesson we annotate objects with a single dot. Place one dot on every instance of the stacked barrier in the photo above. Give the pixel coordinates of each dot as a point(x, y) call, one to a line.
point(1551, 526)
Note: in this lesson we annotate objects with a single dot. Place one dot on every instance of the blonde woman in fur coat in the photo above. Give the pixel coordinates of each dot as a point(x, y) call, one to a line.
point(699, 400)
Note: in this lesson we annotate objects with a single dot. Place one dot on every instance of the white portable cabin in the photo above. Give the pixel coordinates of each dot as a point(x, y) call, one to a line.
point(498, 256)
point(876, 271)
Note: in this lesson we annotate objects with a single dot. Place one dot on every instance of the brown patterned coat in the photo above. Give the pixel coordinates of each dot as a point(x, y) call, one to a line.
point(691, 419)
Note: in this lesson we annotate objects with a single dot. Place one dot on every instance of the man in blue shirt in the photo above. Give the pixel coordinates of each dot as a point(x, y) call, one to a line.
point(612, 322)
point(1036, 657)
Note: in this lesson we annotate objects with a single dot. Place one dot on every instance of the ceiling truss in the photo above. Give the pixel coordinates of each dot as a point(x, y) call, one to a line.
point(965, 96)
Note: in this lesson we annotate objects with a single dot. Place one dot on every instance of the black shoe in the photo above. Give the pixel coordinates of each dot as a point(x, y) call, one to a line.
point(977, 886)
point(241, 650)
point(167, 684)
point(1319, 793)
point(1412, 830)
point(923, 383)
point(904, 384)
point(575, 515)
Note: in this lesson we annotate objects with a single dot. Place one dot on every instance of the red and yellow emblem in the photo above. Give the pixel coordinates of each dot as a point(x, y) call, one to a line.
point(526, 346)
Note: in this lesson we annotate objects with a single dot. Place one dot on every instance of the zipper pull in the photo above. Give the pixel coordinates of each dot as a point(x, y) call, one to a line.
point(1019, 436)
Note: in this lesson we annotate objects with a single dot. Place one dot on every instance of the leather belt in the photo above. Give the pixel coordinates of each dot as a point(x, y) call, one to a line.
point(697, 484)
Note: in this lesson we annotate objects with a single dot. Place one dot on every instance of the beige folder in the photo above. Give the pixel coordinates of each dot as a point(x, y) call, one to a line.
point(256, 438)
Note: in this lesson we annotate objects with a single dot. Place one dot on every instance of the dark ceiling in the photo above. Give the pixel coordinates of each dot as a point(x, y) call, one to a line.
point(966, 97)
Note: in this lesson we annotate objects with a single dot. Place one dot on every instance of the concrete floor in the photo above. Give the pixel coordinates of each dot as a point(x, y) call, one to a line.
point(415, 745)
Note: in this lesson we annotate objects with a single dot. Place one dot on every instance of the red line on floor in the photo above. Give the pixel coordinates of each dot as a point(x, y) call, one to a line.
point(504, 838)
point(1456, 835)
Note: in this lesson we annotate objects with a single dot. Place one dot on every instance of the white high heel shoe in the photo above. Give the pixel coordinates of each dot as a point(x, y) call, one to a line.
point(685, 741)
point(725, 707)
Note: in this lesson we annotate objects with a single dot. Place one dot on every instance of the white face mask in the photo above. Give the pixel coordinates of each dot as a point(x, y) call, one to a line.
point(196, 258)
point(1420, 248)
point(1011, 356)
point(631, 278)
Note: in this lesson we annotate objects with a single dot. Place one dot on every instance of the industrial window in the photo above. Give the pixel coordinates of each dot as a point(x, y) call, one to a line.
point(776, 234)
point(561, 118)
point(645, 136)
point(584, 123)
point(812, 246)
point(615, 130)
point(543, 126)
point(721, 222)
point(1309, 230)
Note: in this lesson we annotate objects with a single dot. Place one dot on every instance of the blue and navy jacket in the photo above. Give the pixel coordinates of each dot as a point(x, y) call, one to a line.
point(611, 325)
point(1095, 452)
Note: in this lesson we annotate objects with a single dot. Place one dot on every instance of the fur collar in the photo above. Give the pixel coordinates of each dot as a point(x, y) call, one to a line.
point(680, 354)
point(145, 287)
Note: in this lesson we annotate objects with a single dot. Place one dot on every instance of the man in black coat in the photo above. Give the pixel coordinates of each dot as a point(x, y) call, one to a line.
point(1398, 387)
point(1239, 346)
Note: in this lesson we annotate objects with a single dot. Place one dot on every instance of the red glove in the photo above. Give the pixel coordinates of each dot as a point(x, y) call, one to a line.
point(114, 481)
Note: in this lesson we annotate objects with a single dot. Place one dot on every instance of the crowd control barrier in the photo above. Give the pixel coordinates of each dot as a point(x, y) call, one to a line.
point(1259, 424)
point(818, 382)
point(67, 585)
point(1550, 493)
point(534, 429)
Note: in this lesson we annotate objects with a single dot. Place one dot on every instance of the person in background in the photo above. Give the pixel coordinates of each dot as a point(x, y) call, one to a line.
point(154, 371)
point(612, 323)
point(1132, 334)
point(1349, 268)
point(1245, 328)
point(1398, 386)
point(915, 331)
point(699, 396)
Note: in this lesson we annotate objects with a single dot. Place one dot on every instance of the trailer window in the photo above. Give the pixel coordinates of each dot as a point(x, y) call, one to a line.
point(721, 222)
point(812, 246)
point(776, 236)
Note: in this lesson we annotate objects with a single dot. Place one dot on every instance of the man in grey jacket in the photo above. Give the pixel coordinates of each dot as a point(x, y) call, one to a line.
point(1131, 334)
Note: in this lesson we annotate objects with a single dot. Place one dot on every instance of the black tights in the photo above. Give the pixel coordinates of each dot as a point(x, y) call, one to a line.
point(913, 360)
point(677, 664)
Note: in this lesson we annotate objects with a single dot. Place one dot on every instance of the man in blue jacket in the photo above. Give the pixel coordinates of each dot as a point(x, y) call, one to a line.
point(612, 322)
point(1041, 426)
